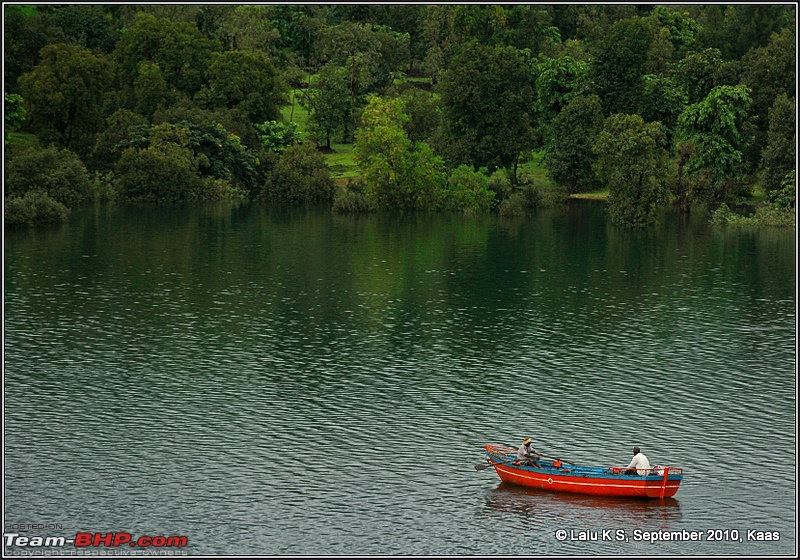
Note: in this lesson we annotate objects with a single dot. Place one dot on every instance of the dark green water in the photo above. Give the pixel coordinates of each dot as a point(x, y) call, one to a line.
point(293, 382)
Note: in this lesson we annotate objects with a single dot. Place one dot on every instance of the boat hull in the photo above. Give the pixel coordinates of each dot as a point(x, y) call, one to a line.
point(596, 481)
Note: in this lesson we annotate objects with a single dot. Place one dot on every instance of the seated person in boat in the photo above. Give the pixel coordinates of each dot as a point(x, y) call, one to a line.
point(526, 454)
point(639, 464)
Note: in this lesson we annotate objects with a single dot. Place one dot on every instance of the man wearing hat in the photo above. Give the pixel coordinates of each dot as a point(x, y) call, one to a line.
point(526, 452)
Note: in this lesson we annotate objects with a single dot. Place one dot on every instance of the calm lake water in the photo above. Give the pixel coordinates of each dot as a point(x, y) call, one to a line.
point(292, 382)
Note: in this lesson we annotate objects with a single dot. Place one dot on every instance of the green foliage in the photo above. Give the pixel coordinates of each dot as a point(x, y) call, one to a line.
point(766, 215)
point(150, 89)
point(118, 132)
point(300, 176)
point(786, 196)
point(424, 113)
point(166, 171)
point(663, 99)
point(520, 203)
point(632, 163)
point(569, 158)
point(514, 206)
point(715, 127)
point(698, 72)
point(57, 172)
point(15, 113)
point(769, 71)
point(500, 184)
point(682, 29)
point(619, 63)
point(329, 103)
point(399, 174)
point(276, 136)
point(34, 207)
point(222, 155)
point(65, 93)
point(352, 199)
point(779, 155)
point(246, 81)
point(215, 152)
point(558, 81)
point(467, 191)
point(487, 99)
point(503, 80)
point(178, 48)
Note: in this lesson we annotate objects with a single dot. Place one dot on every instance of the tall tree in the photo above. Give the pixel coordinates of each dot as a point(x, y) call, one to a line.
point(180, 50)
point(698, 73)
point(779, 155)
point(558, 81)
point(569, 157)
point(328, 102)
point(632, 162)
point(399, 174)
point(65, 93)
point(716, 129)
point(618, 65)
point(244, 80)
point(769, 71)
point(487, 100)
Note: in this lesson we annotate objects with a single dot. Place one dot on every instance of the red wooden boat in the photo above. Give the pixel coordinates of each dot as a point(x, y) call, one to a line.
point(558, 476)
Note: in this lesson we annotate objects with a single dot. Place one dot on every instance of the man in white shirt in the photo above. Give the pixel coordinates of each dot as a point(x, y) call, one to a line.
point(639, 463)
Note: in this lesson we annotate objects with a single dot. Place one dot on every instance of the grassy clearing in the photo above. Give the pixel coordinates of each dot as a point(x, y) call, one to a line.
point(21, 139)
point(340, 158)
point(596, 195)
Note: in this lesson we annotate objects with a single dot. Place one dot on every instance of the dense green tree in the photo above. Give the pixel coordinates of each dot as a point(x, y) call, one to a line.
point(487, 98)
point(276, 136)
point(150, 89)
point(663, 99)
point(26, 31)
point(65, 93)
point(166, 171)
point(716, 129)
point(246, 81)
point(779, 155)
point(300, 175)
point(735, 29)
point(90, 26)
point(299, 27)
point(769, 71)
point(117, 133)
point(32, 208)
point(590, 22)
point(569, 157)
point(632, 162)
point(399, 174)
point(424, 111)
point(466, 190)
point(14, 113)
point(682, 29)
point(58, 172)
point(436, 36)
point(180, 50)
point(250, 28)
point(328, 102)
point(558, 81)
point(698, 73)
point(619, 63)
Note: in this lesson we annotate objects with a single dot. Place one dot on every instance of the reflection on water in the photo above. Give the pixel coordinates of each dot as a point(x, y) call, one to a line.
point(171, 372)
point(595, 511)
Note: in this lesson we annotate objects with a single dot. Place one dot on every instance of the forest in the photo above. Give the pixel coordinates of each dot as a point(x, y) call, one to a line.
point(410, 107)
